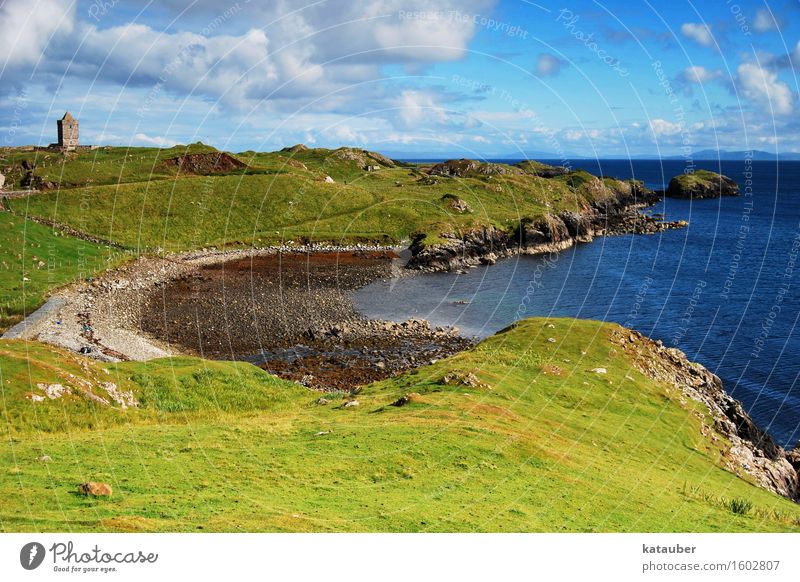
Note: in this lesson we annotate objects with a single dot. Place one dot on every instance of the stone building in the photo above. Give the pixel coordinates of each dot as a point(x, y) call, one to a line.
point(67, 132)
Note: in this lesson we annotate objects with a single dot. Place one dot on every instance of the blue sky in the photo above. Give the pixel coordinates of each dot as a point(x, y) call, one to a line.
point(477, 78)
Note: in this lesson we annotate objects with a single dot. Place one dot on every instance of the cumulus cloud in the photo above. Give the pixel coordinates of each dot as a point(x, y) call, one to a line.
point(416, 108)
point(700, 75)
point(155, 140)
point(662, 127)
point(764, 88)
point(548, 65)
point(765, 21)
point(700, 33)
point(28, 26)
point(242, 54)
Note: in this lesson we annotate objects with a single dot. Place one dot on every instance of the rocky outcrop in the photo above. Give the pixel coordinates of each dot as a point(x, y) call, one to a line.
point(95, 489)
point(615, 214)
point(455, 203)
point(465, 168)
point(701, 184)
point(454, 168)
point(748, 450)
point(296, 148)
point(363, 158)
point(208, 163)
point(541, 170)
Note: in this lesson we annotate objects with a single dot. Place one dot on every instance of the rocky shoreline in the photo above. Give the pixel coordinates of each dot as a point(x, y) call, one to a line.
point(285, 309)
point(750, 451)
point(291, 313)
point(620, 215)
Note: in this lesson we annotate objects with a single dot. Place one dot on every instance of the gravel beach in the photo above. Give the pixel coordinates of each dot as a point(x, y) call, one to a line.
point(291, 314)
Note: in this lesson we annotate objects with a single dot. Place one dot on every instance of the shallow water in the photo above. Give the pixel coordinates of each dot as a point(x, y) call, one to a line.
point(724, 290)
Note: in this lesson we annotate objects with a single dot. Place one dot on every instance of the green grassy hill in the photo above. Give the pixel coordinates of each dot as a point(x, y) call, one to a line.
point(539, 443)
point(34, 259)
point(133, 197)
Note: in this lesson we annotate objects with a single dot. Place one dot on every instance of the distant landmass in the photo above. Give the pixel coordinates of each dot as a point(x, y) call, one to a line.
point(737, 155)
point(706, 154)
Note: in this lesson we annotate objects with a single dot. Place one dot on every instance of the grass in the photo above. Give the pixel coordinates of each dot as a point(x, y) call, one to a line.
point(283, 197)
point(108, 165)
point(697, 178)
point(35, 259)
point(544, 445)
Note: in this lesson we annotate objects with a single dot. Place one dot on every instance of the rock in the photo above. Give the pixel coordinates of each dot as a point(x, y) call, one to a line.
point(53, 391)
point(2, 181)
point(462, 379)
point(542, 170)
point(701, 184)
point(296, 148)
point(551, 340)
point(455, 203)
point(599, 370)
point(793, 457)
point(95, 489)
point(489, 259)
point(206, 163)
point(124, 398)
point(407, 399)
point(455, 168)
point(362, 157)
point(350, 404)
point(329, 180)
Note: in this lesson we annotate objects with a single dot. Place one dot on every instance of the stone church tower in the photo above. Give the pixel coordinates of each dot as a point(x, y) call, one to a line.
point(67, 132)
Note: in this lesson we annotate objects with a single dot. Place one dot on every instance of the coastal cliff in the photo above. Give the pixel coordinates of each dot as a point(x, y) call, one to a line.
point(615, 210)
point(750, 450)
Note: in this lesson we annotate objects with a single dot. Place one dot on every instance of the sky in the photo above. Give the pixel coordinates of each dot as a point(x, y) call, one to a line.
point(454, 78)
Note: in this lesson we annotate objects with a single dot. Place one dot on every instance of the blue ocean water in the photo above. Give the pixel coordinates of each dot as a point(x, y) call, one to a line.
point(725, 290)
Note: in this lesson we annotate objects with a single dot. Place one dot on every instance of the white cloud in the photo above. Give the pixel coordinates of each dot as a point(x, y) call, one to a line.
point(700, 75)
point(420, 107)
point(700, 33)
point(795, 55)
point(250, 54)
point(662, 127)
point(548, 65)
point(156, 140)
point(764, 21)
point(763, 87)
point(29, 25)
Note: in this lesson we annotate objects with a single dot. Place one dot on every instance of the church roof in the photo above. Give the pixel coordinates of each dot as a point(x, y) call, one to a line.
point(67, 117)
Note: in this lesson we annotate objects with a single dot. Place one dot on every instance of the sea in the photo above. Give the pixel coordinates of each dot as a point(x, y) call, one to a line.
point(725, 290)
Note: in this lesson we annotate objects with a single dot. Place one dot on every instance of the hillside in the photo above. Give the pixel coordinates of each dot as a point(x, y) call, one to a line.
point(34, 259)
point(520, 433)
point(138, 198)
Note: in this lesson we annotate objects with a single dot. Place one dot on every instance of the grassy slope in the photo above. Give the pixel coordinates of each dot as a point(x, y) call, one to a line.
point(225, 447)
point(112, 165)
point(279, 200)
point(46, 258)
